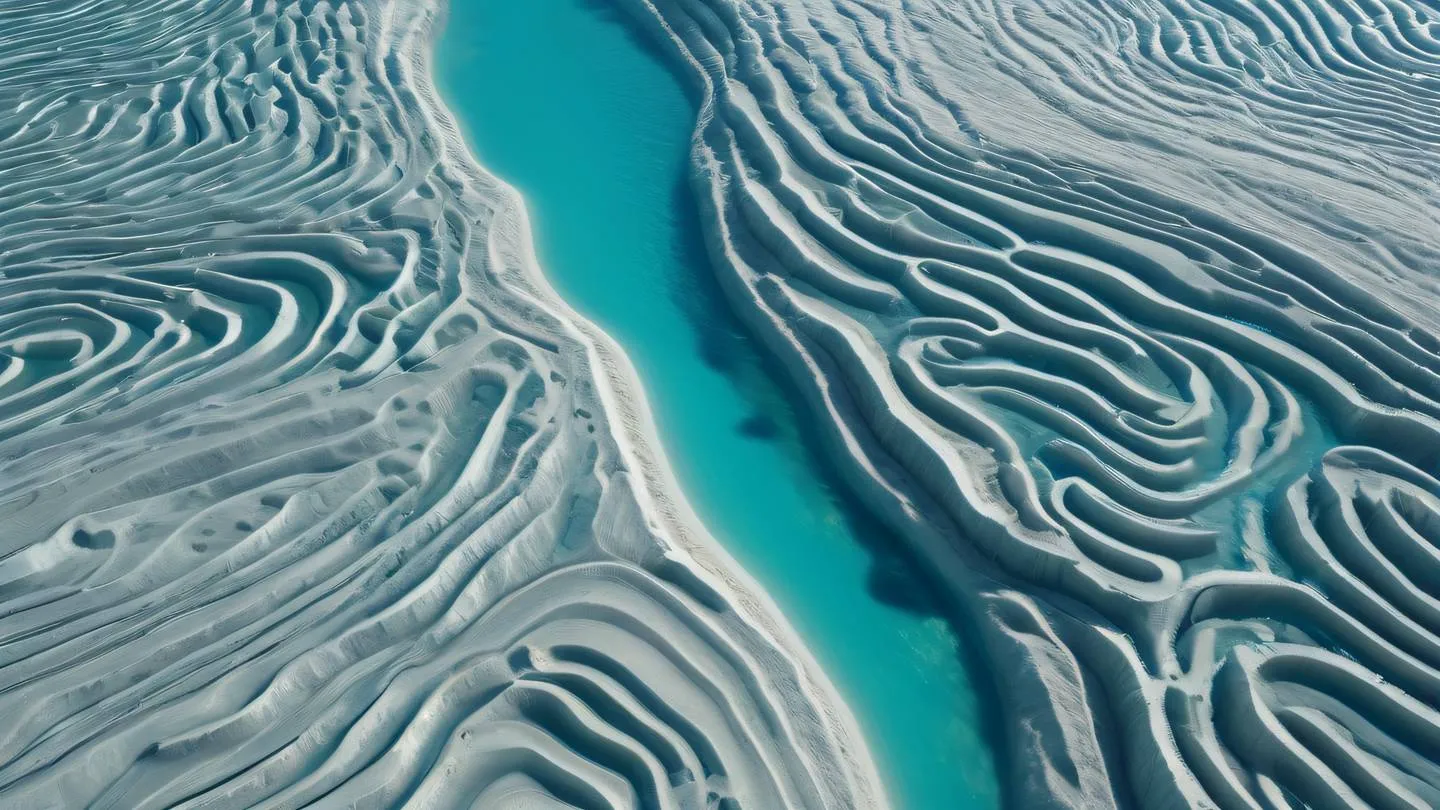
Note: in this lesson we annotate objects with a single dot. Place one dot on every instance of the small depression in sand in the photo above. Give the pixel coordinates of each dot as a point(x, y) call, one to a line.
point(563, 101)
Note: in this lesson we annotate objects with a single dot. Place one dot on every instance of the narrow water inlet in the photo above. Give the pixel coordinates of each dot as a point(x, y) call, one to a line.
point(559, 99)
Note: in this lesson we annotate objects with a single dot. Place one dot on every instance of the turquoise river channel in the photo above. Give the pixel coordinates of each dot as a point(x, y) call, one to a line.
point(563, 101)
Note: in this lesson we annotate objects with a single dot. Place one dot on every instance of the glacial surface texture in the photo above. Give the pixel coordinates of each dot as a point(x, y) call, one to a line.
point(1124, 314)
point(312, 493)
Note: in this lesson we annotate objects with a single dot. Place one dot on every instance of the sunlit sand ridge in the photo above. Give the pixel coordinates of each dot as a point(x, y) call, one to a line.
point(313, 494)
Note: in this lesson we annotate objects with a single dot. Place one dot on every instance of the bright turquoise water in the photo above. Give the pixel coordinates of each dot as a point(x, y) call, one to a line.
point(558, 99)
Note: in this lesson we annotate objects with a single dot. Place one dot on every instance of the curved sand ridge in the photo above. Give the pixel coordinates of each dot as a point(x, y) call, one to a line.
point(313, 494)
point(1123, 314)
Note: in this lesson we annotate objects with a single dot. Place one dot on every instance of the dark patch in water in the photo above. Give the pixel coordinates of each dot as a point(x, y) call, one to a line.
point(759, 426)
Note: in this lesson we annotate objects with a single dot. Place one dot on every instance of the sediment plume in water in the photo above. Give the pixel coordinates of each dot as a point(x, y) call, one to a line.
point(313, 493)
point(1124, 315)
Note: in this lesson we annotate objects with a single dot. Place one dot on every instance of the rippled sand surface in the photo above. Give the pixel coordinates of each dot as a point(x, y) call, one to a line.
point(312, 493)
point(1124, 314)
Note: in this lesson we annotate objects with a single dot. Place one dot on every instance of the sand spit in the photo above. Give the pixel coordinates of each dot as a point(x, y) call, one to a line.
point(313, 492)
point(1124, 314)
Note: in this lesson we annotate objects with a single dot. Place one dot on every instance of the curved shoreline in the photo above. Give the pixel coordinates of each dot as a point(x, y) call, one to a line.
point(664, 501)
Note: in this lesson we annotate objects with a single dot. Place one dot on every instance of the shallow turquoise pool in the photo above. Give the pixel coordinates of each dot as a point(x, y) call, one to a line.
point(562, 102)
